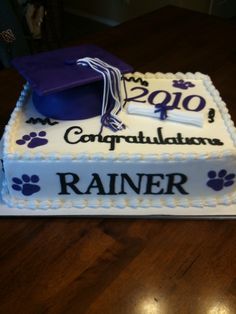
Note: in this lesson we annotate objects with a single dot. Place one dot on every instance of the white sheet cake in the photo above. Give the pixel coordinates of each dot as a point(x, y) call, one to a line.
point(155, 161)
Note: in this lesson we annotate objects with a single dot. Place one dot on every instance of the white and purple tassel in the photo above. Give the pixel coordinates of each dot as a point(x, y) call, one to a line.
point(111, 89)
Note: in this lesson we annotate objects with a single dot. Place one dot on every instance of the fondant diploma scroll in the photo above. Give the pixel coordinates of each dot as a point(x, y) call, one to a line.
point(186, 117)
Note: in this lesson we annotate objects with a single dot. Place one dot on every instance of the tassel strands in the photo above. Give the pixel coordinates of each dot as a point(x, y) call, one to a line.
point(111, 89)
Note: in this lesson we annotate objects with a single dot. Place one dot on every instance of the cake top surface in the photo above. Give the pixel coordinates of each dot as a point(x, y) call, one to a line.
point(30, 134)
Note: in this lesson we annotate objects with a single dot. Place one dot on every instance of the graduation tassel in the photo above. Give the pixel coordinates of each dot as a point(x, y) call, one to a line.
point(111, 89)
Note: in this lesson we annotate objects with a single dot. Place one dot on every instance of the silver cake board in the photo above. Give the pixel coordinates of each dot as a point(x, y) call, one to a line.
point(219, 212)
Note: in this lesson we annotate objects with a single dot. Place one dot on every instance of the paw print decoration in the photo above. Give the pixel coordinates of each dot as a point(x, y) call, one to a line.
point(33, 139)
point(218, 181)
point(27, 185)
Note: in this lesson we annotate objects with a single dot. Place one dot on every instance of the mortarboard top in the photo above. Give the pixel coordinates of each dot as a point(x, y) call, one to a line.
point(63, 89)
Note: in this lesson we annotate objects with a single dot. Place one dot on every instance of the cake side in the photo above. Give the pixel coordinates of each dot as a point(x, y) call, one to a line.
point(106, 183)
point(152, 163)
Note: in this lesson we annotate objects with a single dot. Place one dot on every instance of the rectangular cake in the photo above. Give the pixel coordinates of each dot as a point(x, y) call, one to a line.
point(177, 149)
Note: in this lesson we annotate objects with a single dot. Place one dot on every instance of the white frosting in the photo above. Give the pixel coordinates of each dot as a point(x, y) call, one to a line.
point(85, 158)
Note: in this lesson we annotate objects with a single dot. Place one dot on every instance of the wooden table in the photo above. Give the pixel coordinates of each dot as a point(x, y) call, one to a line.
point(73, 265)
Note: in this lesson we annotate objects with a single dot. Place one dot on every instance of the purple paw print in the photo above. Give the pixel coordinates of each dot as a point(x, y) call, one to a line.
point(182, 84)
point(34, 139)
point(218, 181)
point(27, 185)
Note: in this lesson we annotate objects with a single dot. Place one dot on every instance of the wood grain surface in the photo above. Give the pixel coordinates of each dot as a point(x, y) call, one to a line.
point(140, 266)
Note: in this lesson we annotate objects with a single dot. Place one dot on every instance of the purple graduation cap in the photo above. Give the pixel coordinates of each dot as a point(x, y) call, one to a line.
point(75, 83)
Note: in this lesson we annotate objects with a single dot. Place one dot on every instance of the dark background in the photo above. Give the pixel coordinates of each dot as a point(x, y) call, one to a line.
point(116, 265)
point(65, 22)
